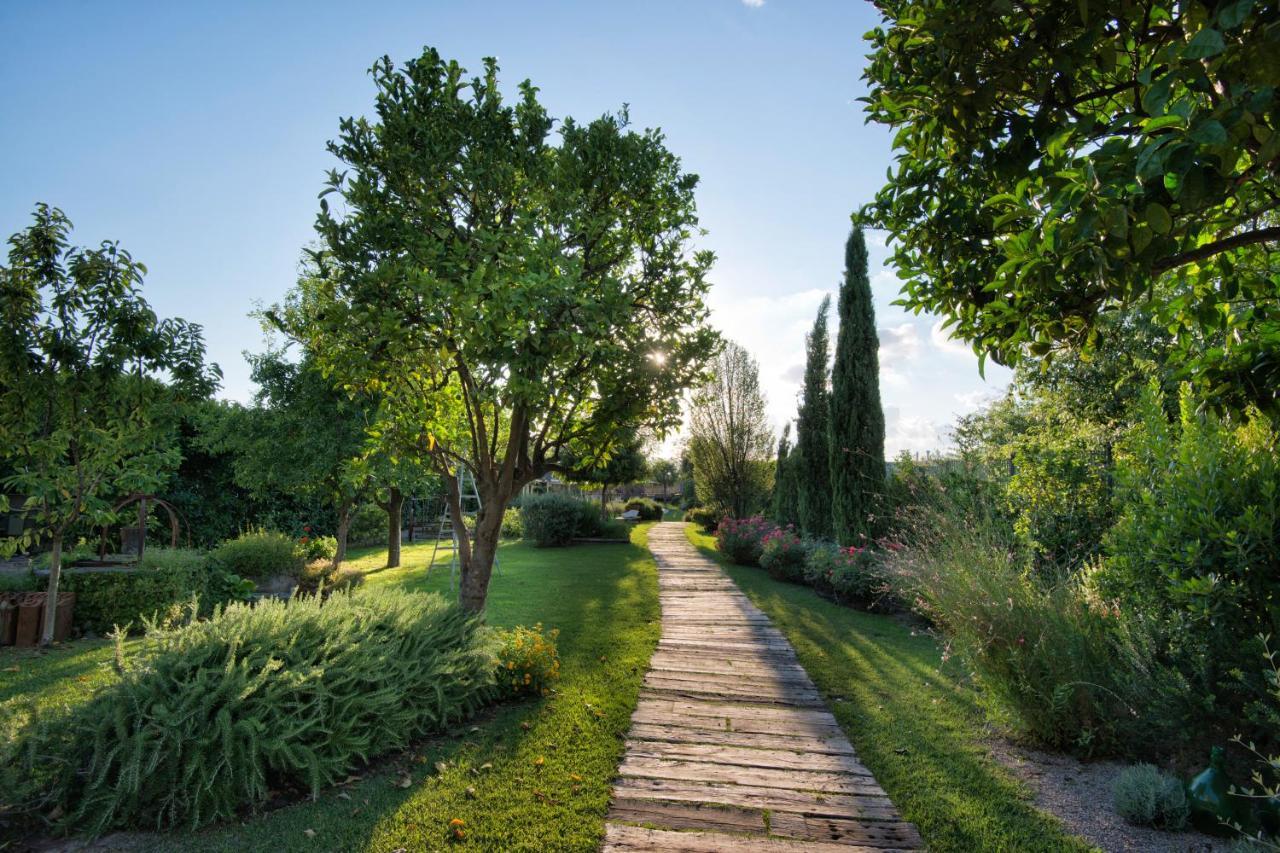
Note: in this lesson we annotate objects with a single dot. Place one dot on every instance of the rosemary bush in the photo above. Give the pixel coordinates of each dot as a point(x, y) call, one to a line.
point(210, 716)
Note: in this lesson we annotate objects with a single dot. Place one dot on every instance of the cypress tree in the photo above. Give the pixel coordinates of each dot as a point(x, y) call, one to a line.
point(857, 420)
point(813, 470)
point(784, 509)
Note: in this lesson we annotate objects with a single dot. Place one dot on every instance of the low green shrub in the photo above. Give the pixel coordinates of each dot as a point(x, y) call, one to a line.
point(820, 564)
point(742, 539)
point(209, 718)
point(511, 526)
point(550, 520)
point(321, 576)
point(368, 525)
point(783, 554)
point(165, 578)
point(528, 663)
point(649, 510)
point(260, 554)
point(705, 517)
point(1146, 797)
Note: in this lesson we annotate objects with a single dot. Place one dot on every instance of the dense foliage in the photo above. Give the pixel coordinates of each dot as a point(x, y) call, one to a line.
point(262, 554)
point(813, 432)
point(552, 520)
point(856, 433)
point(211, 716)
point(165, 579)
point(89, 377)
point(1059, 159)
point(499, 315)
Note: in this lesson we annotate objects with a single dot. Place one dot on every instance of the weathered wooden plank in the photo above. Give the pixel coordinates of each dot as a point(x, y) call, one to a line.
point(869, 833)
point(792, 780)
point(742, 756)
point(687, 815)
point(833, 744)
point(864, 806)
point(710, 708)
point(624, 839)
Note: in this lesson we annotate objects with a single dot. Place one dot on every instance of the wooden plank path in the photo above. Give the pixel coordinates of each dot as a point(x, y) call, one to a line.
point(730, 746)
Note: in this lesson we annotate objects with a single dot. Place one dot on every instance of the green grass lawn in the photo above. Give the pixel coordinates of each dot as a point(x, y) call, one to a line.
point(529, 776)
point(914, 725)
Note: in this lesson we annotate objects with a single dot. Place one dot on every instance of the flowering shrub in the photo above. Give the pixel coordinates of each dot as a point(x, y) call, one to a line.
point(742, 539)
point(783, 554)
point(312, 547)
point(528, 662)
point(819, 565)
point(858, 576)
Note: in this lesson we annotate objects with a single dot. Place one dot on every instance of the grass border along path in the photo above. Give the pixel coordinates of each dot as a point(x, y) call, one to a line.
point(917, 728)
point(533, 775)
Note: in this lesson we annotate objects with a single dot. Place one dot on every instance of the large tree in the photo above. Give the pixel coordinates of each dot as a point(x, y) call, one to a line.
point(1059, 160)
point(730, 441)
point(813, 468)
point(857, 419)
point(508, 293)
point(89, 380)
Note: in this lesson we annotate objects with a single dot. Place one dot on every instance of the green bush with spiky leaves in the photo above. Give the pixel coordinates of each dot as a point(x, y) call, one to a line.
point(211, 716)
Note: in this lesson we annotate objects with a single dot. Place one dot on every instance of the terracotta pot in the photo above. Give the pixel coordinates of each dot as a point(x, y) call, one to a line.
point(30, 619)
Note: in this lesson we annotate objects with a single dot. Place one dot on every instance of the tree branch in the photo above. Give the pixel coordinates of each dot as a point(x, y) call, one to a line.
point(1235, 241)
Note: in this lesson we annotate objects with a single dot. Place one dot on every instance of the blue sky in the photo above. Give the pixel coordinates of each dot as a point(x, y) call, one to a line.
point(195, 135)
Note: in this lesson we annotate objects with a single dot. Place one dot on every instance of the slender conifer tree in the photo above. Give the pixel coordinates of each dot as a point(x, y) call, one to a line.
point(857, 419)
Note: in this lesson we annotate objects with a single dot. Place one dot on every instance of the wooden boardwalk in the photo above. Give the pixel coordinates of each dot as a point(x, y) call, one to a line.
point(730, 746)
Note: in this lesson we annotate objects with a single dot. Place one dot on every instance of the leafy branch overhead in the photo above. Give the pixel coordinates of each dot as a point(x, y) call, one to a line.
point(1061, 159)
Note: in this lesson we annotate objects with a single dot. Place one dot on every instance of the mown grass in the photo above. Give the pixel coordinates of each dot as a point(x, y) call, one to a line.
point(914, 724)
point(529, 776)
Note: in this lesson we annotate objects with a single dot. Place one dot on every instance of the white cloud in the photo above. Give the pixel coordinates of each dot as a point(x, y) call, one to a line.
point(754, 4)
point(941, 338)
point(898, 345)
point(973, 400)
point(912, 433)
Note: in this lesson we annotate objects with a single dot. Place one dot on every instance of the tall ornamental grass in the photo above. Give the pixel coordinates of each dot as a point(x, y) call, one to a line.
point(212, 716)
point(1068, 670)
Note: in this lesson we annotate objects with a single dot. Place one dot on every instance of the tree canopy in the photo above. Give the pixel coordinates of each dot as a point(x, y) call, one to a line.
point(1062, 159)
point(86, 371)
point(508, 294)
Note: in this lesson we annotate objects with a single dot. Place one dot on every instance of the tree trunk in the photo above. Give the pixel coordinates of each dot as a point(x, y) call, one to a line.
point(604, 493)
point(344, 525)
point(395, 505)
point(477, 570)
point(51, 604)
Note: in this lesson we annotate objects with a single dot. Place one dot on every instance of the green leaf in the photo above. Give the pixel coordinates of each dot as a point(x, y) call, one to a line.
point(1210, 132)
point(1208, 42)
point(1152, 125)
point(1158, 218)
point(1233, 15)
